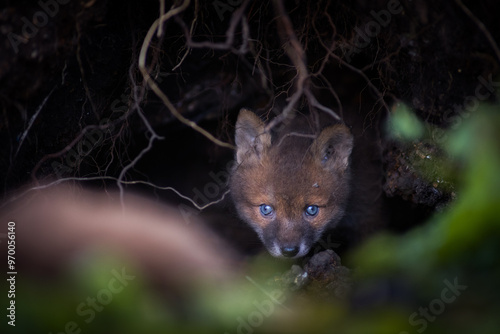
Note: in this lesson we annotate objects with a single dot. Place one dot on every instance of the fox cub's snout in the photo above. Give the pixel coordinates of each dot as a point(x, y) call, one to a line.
point(291, 185)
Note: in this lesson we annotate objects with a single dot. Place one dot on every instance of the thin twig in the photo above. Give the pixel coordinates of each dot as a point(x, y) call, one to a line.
point(152, 84)
point(236, 18)
point(80, 61)
point(482, 27)
point(73, 143)
point(363, 75)
point(295, 52)
point(318, 105)
point(32, 120)
point(193, 24)
point(297, 134)
point(95, 178)
point(154, 135)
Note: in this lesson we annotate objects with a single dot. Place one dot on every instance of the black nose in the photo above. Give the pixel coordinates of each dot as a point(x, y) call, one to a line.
point(289, 251)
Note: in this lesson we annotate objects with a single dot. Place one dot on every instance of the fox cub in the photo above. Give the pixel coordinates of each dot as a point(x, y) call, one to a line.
point(293, 184)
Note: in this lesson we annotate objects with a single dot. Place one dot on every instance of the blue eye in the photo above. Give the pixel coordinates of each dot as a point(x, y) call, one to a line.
point(312, 210)
point(266, 210)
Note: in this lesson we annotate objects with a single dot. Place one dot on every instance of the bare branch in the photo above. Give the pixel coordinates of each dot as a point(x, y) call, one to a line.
point(236, 18)
point(297, 134)
point(193, 24)
point(97, 178)
point(162, 12)
point(68, 147)
point(152, 84)
point(482, 27)
point(295, 52)
point(363, 75)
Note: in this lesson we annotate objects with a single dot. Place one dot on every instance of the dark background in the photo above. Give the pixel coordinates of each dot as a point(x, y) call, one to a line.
point(80, 69)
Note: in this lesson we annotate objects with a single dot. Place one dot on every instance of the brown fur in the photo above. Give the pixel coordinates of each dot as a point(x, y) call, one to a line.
point(299, 166)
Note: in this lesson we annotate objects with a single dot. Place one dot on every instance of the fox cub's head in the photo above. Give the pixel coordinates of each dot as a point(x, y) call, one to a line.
point(290, 188)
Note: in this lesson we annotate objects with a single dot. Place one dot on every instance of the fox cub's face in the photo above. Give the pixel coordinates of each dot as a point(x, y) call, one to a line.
point(290, 188)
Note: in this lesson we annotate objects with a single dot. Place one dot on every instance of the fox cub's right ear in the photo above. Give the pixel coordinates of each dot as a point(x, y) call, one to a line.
point(251, 139)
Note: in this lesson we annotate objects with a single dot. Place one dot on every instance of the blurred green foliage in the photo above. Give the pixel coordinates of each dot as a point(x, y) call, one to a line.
point(460, 243)
point(404, 124)
point(400, 280)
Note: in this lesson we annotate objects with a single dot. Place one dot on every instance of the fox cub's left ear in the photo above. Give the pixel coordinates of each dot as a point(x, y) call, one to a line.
point(333, 147)
point(251, 140)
